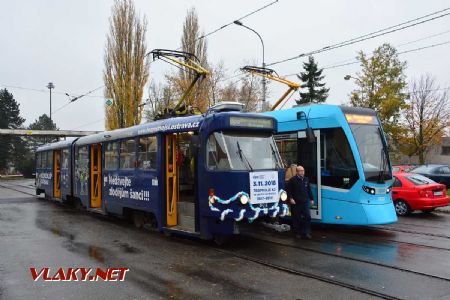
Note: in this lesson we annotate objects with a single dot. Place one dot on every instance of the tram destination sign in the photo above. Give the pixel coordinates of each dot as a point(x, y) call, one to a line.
point(251, 122)
point(263, 187)
point(361, 119)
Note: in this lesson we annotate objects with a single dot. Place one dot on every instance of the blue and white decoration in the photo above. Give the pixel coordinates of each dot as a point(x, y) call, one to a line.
point(253, 211)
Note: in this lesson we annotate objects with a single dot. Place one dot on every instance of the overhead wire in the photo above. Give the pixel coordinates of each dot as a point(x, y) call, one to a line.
point(76, 98)
point(368, 36)
point(356, 61)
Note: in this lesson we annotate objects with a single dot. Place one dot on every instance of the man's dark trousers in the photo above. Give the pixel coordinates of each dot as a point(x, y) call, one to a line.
point(301, 218)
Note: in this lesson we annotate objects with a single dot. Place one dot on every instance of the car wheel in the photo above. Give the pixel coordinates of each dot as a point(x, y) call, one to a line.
point(427, 211)
point(402, 208)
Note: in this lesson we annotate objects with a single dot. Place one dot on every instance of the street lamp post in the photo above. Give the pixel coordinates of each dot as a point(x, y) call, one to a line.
point(237, 22)
point(50, 86)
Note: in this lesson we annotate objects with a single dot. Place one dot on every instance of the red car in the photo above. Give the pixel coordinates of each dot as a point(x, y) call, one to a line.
point(402, 168)
point(416, 192)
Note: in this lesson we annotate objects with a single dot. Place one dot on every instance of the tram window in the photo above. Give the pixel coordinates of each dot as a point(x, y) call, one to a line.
point(147, 153)
point(217, 157)
point(49, 159)
point(38, 160)
point(127, 154)
point(338, 167)
point(112, 156)
point(288, 151)
point(65, 159)
point(43, 159)
point(241, 151)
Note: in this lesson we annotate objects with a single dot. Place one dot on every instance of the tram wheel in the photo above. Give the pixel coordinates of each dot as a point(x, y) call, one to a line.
point(402, 208)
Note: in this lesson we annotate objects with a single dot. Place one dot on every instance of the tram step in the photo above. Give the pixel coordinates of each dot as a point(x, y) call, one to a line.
point(186, 222)
point(186, 208)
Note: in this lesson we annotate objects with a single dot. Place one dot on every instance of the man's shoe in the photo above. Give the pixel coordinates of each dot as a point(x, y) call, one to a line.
point(306, 237)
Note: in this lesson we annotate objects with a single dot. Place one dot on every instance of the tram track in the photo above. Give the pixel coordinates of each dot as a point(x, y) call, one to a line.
point(308, 275)
point(16, 190)
point(293, 271)
point(412, 232)
point(348, 258)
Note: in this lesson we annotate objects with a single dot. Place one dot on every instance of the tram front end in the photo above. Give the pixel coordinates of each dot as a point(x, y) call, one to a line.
point(241, 177)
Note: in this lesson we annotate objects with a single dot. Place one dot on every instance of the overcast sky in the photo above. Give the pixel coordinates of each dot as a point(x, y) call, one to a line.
point(63, 42)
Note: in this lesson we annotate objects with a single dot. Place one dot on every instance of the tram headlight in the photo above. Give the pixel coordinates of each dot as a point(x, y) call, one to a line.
point(368, 190)
point(283, 196)
point(244, 199)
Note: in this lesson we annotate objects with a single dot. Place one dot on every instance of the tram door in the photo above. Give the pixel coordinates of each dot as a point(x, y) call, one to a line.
point(96, 176)
point(57, 174)
point(309, 156)
point(171, 179)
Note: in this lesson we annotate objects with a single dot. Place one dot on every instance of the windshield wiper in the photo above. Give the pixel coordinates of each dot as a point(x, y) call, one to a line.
point(274, 154)
point(242, 156)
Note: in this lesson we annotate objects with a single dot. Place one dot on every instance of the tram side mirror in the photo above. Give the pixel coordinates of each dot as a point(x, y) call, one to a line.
point(310, 137)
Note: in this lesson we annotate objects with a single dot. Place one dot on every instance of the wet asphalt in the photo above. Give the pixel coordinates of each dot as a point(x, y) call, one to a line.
point(408, 260)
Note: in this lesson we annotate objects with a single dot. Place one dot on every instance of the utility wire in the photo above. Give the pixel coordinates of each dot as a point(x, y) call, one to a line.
point(226, 25)
point(424, 38)
point(42, 91)
point(368, 36)
point(23, 88)
point(232, 22)
point(76, 98)
point(356, 61)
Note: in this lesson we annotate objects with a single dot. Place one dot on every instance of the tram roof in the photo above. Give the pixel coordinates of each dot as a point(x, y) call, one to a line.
point(316, 110)
point(179, 124)
point(56, 145)
point(189, 123)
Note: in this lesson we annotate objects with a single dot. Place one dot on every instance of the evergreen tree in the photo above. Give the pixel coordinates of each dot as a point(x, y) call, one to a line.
point(42, 123)
point(9, 119)
point(311, 79)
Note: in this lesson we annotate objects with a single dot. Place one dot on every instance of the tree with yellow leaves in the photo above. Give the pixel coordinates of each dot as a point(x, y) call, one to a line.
point(382, 87)
point(126, 66)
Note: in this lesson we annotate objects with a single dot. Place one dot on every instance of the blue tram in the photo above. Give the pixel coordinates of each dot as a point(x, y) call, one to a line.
point(197, 175)
point(344, 152)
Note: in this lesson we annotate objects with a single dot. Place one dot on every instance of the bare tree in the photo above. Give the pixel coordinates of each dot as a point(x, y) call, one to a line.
point(250, 92)
point(229, 92)
point(160, 97)
point(214, 83)
point(192, 43)
point(126, 66)
point(426, 117)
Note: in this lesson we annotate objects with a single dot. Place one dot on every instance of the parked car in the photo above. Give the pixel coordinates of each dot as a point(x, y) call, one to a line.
point(416, 192)
point(438, 173)
point(402, 168)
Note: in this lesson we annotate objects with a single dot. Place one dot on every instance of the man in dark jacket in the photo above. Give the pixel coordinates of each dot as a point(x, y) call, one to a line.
point(300, 196)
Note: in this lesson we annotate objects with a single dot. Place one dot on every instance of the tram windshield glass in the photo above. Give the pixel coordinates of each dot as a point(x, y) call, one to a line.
point(242, 151)
point(372, 151)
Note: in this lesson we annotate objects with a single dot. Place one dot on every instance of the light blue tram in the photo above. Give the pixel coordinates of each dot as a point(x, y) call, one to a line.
point(344, 152)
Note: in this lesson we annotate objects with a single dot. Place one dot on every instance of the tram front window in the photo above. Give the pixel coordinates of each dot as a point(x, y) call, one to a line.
point(372, 151)
point(240, 151)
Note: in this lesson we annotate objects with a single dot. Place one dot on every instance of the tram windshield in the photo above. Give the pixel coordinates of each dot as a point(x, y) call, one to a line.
point(373, 152)
point(242, 151)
